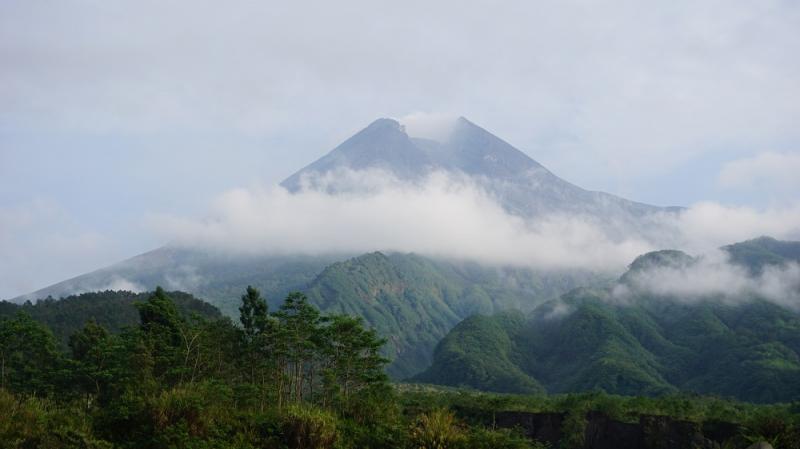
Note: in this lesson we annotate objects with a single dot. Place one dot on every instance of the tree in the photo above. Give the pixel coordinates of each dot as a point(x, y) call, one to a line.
point(91, 353)
point(29, 359)
point(298, 338)
point(257, 341)
point(353, 354)
point(253, 314)
point(161, 337)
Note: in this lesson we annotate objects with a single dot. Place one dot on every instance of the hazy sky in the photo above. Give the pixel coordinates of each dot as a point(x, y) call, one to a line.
point(113, 112)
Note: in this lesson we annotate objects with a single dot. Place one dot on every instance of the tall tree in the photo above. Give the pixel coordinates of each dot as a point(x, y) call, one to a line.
point(29, 359)
point(299, 337)
point(253, 314)
point(92, 357)
point(161, 337)
point(353, 356)
point(257, 342)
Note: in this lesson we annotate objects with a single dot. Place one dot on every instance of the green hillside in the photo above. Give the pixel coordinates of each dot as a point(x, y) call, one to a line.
point(591, 339)
point(764, 251)
point(414, 301)
point(410, 299)
point(114, 310)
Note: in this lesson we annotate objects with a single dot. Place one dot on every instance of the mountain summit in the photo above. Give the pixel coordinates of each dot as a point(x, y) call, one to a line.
point(520, 184)
point(386, 145)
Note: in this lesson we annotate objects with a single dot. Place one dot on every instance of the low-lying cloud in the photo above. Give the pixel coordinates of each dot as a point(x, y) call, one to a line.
point(450, 216)
point(433, 126)
point(444, 216)
point(773, 170)
point(714, 276)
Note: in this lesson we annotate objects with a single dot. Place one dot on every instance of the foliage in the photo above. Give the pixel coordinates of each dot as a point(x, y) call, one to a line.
point(113, 310)
point(416, 300)
point(437, 429)
point(299, 379)
point(29, 361)
point(591, 340)
point(309, 428)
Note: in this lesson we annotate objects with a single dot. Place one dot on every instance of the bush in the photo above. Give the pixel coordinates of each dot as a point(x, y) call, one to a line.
point(482, 438)
point(39, 423)
point(309, 428)
point(437, 429)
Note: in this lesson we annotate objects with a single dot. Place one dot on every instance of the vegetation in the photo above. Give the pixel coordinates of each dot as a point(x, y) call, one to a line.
point(776, 423)
point(591, 340)
point(417, 300)
point(748, 351)
point(113, 310)
point(292, 378)
point(414, 299)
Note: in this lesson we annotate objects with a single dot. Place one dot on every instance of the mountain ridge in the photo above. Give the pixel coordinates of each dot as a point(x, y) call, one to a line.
point(647, 344)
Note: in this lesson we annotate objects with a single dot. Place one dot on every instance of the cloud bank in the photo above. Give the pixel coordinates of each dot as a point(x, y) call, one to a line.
point(714, 276)
point(444, 216)
point(450, 216)
point(767, 170)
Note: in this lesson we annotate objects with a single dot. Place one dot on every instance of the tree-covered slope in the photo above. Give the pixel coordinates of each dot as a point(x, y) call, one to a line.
point(481, 353)
point(113, 310)
point(218, 277)
point(414, 301)
point(411, 300)
point(757, 253)
point(593, 339)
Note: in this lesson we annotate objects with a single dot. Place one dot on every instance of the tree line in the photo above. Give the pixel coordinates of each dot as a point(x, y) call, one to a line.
point(295, 354)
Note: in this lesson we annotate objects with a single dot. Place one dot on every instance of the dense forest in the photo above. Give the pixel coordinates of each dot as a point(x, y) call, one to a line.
point(746, 347)
point(293, 378)
point(114, 310)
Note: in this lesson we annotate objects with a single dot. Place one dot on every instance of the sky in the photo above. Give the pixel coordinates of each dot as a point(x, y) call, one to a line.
point(113, 113)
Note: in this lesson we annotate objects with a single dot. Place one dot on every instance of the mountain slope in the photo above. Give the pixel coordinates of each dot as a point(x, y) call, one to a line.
point(219, 278)
point(414, 301)
point(430, 297)
point(114, 310)
point(520, 184)
point(590, 339)
point(765, 251)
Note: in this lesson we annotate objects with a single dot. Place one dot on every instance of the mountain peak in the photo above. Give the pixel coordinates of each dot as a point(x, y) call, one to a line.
point(383, 144)
point(385, 123)
point(414, 146)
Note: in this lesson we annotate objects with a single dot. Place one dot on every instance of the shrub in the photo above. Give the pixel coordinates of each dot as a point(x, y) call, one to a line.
point(482, 438)
point(437, 429)
point(309, 428)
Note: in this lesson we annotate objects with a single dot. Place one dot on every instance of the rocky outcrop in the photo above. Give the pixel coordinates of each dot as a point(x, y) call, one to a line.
point(663, 432)
point(544, 427)
point(760, 445)
point(602, 432)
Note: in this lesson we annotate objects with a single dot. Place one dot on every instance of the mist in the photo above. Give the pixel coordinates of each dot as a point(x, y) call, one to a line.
point(450, 216)
point(714, 276)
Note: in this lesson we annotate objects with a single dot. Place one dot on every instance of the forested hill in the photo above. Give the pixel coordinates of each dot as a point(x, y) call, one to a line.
point(113, 310)
point(295, 378)
point(413, 300)
point(589, 339)
point(758, 253)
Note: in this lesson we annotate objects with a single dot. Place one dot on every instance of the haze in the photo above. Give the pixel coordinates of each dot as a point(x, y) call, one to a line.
point(119, 121)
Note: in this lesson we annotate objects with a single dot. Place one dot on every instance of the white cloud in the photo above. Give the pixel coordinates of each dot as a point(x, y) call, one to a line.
point(434, 126)
point(118, 284)
point(40, 243)
point(628, 86)
point(714, 276)
point(706, 226)
point(445, 216)
point(451, 217)
point(764, 171)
